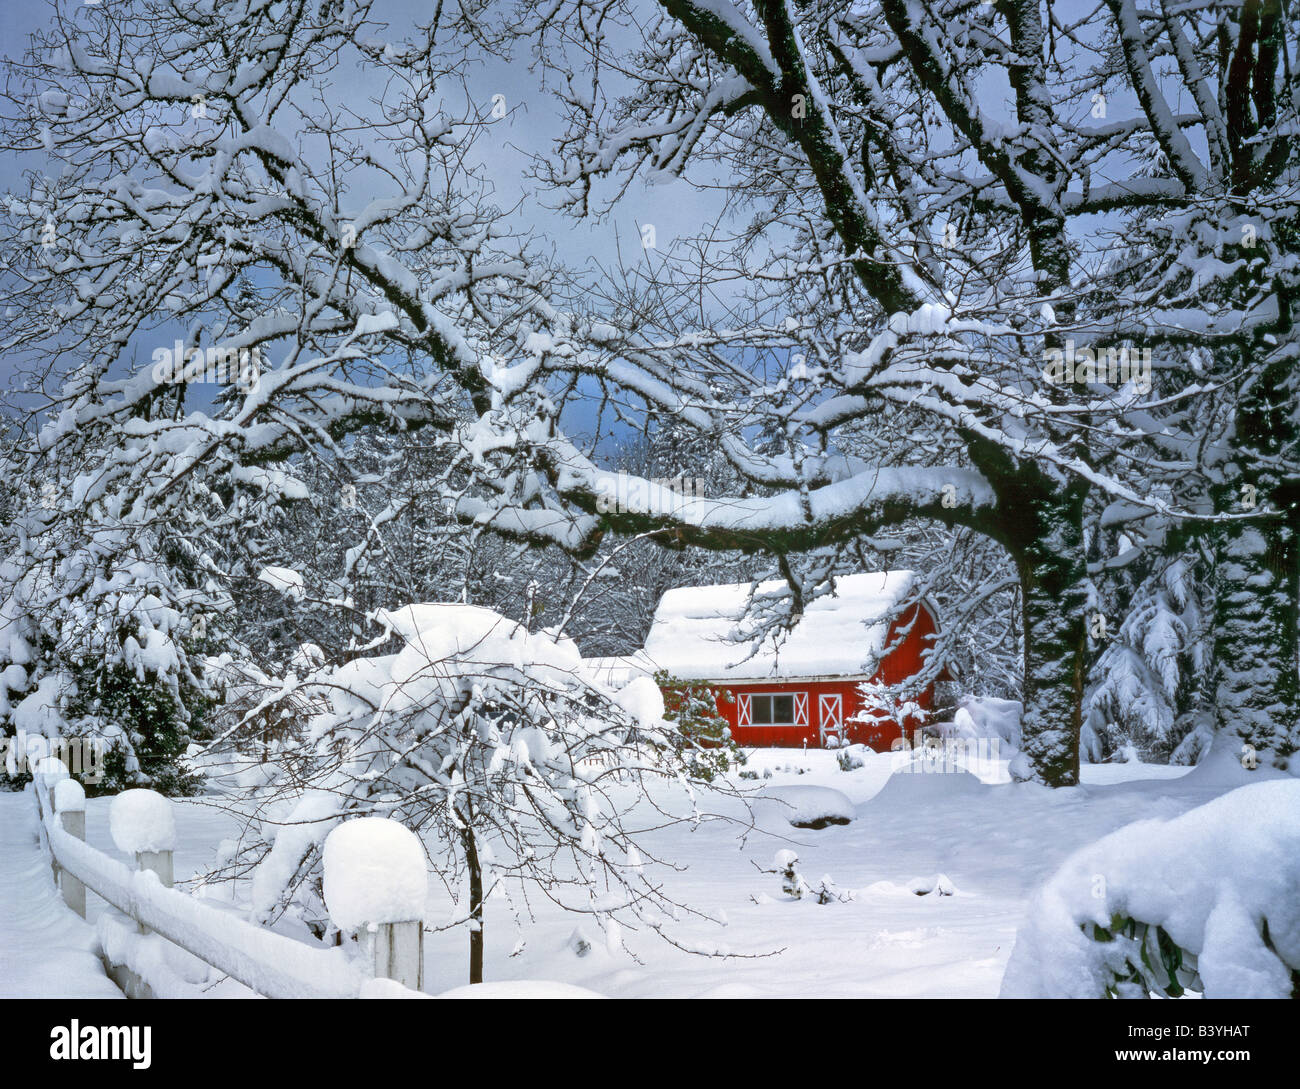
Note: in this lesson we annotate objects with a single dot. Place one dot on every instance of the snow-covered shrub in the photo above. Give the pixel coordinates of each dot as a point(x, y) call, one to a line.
point(102, 616)
point(851, 757)
point(1208, 901)
point(828, 892)
point(147, 723)
point(787, 865)
point(812, 807)
point(516, 769)
point(939, 884)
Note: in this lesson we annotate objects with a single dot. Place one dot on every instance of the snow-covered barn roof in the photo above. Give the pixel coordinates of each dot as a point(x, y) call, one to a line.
point(696, 633)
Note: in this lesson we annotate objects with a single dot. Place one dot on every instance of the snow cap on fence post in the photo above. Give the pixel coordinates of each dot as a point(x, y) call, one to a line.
point(375, 885)
point(69, 796)
point(142, 825)
point(141, 820)
point(70, 807)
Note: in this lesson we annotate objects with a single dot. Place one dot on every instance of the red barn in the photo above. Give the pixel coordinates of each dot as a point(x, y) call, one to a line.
point(804, 689)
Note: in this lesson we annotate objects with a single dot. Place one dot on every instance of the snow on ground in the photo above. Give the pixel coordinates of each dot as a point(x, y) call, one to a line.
point(46, 951)
point(994, 842)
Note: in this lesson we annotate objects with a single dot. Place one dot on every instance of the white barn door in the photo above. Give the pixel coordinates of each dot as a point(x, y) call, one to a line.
point(830, 717)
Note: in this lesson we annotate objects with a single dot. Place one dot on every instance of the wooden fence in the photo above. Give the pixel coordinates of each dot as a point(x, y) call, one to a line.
point(388, 958)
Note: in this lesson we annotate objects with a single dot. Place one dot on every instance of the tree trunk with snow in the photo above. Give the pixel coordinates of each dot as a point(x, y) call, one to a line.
point(1257, 576)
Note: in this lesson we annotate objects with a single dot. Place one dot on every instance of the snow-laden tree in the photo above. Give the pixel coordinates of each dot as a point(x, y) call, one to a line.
point(523, 776)
point(918, 245)
point(210, 272)
point(922, 186)
point(1149, 688)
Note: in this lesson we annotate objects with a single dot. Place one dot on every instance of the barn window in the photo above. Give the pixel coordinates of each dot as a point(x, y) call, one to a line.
point(776, 709)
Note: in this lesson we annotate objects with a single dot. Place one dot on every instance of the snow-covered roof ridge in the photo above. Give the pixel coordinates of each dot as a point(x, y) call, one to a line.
point(700, 632)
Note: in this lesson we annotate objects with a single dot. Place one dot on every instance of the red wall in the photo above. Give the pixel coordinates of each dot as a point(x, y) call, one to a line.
point(901, 663)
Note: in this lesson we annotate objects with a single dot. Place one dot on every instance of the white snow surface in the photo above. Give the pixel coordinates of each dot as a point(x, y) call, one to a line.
point(142, 820)
point(374, 873)
point(698, 631)
point(996, 842)
point(520, 988)
point(1210, 878)
point(46, 951)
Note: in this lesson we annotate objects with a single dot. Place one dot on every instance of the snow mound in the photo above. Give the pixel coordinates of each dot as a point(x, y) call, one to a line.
point(811, 806)
point(374, 873)
point(985, 716)
point(141, 820)
point(388, 988)
point(910, 785)
point(1216, 880)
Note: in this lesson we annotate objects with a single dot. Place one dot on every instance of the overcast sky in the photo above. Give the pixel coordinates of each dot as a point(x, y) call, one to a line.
point(675, 209)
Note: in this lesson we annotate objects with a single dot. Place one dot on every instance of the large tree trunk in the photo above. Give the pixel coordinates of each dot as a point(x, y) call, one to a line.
point(1039, 521)
point(1053, 579)
point(1257, 575)
point(1255, 643)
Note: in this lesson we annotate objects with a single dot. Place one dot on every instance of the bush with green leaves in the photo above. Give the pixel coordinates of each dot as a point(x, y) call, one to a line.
point(703, 739)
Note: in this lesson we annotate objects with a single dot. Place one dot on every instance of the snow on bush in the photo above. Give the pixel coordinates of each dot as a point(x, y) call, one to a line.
point(374, 873)
point(938, 883)
point(811, 806)
point(141, 820)
point(512, 762)
point(285, 580)
point(787, 865)
point(1208, 901)
point(642, 699)
point(304, 825)
point(984, 717)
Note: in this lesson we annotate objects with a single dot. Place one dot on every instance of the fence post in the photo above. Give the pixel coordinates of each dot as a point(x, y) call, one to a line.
point(375, 887)
point(50, 772)
point(70, 807)
point(396, 950)
point(142, 825)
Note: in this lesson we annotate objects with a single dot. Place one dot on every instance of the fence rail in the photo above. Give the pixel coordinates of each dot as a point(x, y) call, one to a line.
point(270, 964)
